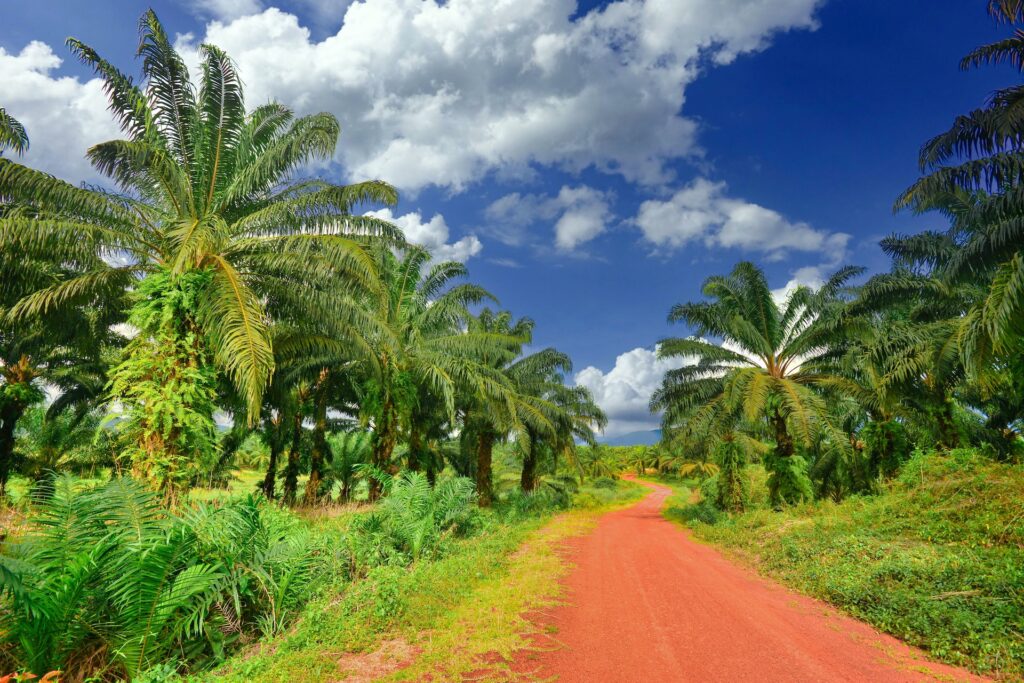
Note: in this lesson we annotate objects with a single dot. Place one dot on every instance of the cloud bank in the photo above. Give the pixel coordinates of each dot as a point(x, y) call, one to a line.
point(442, 94)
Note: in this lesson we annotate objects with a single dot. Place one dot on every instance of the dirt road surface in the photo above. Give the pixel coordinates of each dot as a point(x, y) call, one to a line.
point(647, 603)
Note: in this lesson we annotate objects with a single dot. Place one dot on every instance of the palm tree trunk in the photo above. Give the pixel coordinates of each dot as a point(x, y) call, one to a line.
point(783, 441)
point(528, 478)
point(318, 453)
point(270, 478)
point(291, 472)
point(484, 456)
point(10, 413)
point(384, 438)
point(949, 436)
point(275, 438)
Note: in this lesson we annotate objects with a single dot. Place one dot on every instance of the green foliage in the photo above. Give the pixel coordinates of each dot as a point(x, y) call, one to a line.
point(166, 385)
point(731, 484)
point(788, 480)
point(936, 558)
point(108, 579)
point(414, 520)
point(12, 134)
point(887, 446)
point(63, 442)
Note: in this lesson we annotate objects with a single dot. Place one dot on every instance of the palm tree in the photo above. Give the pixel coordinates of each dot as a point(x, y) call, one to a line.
point(924, 353)
point(487, 421)
point(206, 187)
point(415, 341)
point(570, 414)
point(763, 367)
point(980, 157)
point(12, 134)
point(68, 349)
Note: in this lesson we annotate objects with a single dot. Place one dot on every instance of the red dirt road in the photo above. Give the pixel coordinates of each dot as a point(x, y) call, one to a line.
point(646, 604)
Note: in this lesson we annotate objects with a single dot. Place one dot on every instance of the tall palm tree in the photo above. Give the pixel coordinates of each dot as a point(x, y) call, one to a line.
point(485, 422)
point(569, 414)
point(205, 187)
point(416, 340)
point(762, 366)
point(930, 343)
point(981, 157)
point(12, 134)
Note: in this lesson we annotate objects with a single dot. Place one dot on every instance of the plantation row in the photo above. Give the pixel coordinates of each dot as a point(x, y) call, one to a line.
point(217, 279)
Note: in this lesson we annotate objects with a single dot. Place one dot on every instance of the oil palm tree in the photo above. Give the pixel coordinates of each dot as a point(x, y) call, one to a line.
point(570, 414)
point(980, 157)
point(486, 421)
point(205, 187)
point(12, 134)
point(415, 341)
point(763, 366)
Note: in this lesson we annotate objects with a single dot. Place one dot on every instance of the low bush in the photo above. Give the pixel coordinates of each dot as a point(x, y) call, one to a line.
point(413, 521)
point(108, 581)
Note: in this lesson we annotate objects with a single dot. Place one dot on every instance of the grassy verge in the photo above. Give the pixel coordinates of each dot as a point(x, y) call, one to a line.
point(437, 620)
point(937, 559)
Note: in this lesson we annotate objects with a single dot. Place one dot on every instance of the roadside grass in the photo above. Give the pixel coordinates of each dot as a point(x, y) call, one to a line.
point(436, 620)
point(936, 559)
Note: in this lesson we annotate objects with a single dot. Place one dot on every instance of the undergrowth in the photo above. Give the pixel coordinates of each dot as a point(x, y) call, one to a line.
point(449, 608)
point(936, 559)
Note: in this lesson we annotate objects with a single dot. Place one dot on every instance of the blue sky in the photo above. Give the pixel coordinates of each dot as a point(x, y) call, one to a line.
point(591, 163)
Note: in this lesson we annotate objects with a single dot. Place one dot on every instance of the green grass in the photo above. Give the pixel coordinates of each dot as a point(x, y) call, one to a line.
point(445, 617)
point(937, 559)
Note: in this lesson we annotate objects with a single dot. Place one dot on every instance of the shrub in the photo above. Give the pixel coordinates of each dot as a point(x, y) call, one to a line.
point(731, 483)
point(788, 480)
point(110, 580)
point(413, 520)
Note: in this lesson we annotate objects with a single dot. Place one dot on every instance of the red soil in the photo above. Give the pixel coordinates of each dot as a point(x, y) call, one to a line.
point(646, 603)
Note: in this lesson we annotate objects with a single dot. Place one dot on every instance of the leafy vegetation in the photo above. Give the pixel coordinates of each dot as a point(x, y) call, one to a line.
point(222, 311)
point(935, 558)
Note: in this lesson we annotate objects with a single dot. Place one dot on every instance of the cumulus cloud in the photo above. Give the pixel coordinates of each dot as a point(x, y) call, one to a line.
point(443, 93)
point(702, 211)
point(808, 276)
point(226, 10)
point(63, 116)
point(579, 214)
point(624, 392)
point(433, 235)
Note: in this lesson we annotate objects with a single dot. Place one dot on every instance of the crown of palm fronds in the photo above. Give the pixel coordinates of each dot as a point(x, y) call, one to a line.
point(972, 173)
point(12, 134)
point(770, 355)
point(204, 185)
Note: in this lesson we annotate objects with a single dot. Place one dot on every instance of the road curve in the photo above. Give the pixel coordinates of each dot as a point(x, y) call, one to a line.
point(646, 603)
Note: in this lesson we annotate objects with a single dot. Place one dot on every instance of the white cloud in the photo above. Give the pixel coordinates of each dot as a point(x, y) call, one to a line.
point(579, 214)
point(433, 235)
point(808, 276)
point(226, 10)
point(702, 211)
point(63, 116)
point(443, 93)
point(624, 392)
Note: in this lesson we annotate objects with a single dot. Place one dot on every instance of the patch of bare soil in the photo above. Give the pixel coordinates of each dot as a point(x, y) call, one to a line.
point(366, 667)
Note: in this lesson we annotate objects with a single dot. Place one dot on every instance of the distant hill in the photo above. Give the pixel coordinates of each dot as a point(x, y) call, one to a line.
point(647, 438)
